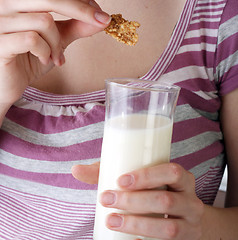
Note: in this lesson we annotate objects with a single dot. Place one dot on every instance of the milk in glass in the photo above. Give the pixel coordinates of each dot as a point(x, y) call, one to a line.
point(130, 142)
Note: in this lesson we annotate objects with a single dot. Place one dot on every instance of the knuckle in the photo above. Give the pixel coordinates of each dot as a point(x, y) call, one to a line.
point(84, 8)
point(146, 175)
point(172, 230)
point(46, 20)
point(167, 200)
point(177, 171)
point(124, 199)
point(31, 38)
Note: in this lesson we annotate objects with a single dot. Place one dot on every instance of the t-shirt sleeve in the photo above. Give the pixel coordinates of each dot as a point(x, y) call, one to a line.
point(226, 64)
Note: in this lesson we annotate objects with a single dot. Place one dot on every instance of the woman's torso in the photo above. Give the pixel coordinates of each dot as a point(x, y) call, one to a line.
point(44, 134)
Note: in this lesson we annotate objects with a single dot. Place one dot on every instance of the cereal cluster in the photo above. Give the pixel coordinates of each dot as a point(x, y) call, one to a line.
point(123, 30)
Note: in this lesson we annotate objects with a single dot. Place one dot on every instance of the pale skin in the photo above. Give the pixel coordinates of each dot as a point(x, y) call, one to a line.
point(46, 54)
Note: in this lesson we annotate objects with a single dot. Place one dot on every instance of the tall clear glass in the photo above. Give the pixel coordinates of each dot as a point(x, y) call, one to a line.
point(137, 134)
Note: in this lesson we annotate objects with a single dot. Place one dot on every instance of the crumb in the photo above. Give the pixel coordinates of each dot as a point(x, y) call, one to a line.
point(123, 30)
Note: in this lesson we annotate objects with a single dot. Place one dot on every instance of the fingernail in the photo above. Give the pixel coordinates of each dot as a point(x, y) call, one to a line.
point(108, 198)
point(102, 17)
point(126, 180)
point(115, 221)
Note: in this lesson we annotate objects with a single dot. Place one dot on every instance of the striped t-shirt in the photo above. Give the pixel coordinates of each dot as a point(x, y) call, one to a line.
point(44, 135)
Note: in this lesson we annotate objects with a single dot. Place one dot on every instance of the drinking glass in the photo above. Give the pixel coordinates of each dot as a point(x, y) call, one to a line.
point(137, 134)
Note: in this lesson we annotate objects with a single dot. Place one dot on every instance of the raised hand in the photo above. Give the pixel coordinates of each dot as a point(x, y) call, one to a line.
point(32, 42)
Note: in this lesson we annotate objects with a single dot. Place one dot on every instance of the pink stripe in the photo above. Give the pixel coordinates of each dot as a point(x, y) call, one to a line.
point(21, 148)
point(34, 120)
point(52, 179)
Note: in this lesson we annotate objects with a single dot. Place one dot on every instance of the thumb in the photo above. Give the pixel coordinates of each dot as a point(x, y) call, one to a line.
point(86, 173)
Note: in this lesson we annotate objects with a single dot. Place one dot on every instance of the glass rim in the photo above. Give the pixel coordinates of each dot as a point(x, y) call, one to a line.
point(158, 86)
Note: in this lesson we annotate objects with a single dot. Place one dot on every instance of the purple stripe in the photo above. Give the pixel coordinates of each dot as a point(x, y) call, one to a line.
point(52, 179)
point(36, 200)
point(23, 223)
point(37, 95)
point(203, 24)
point(35, 121)
point(25, 210)
point(198, 102)
point(231, 10)
point(210, 4)
point(198, 58)
point(193, 127)
point(231, 82)
point(25, 149)
point(67, 212)
point(198, 84)
point(210, 17)
point(194, 159)
point(198, 40)
point(42, 227)
point(172, 48)
point(227, 47)
point(170, 51)
point(209, 10)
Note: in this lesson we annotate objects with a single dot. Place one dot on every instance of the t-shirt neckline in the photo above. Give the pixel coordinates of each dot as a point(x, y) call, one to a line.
point(33, 94)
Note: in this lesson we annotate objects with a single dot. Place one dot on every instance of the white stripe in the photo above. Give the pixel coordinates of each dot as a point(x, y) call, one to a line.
point(227, 29)
point(40, 166)
point(203, 168)
point(62, 139)
point(55, 111)
point(197, 47)
point(201, 32)
point(207, 95)
point(210, 13)
point(189, 72)
point(194, 144)
point(210, 7)
point(212, 20)
point(173, 45)
point(61, 194)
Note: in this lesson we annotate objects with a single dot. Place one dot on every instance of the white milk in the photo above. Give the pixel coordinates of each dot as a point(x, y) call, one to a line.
point(126, 148)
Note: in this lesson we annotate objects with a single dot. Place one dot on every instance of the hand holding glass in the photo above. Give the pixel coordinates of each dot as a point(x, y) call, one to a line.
point(137, 134)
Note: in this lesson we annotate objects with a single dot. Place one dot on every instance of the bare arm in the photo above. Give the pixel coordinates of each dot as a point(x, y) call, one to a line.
point(222, 223)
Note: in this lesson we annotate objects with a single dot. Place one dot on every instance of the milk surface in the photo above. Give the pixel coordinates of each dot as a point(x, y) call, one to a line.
point(129, 143)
